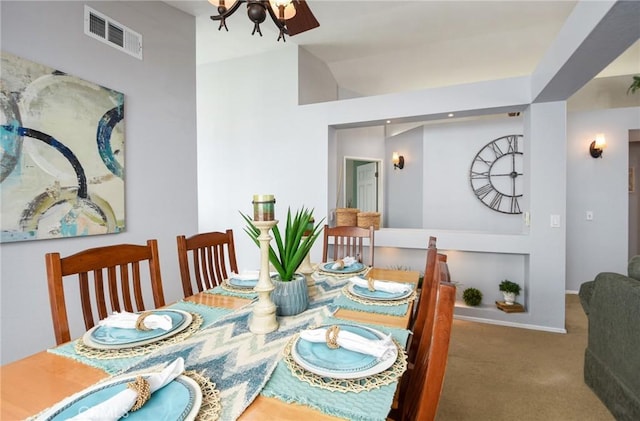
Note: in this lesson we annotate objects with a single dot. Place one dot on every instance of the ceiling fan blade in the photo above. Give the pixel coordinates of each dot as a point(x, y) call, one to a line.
point(303, 19)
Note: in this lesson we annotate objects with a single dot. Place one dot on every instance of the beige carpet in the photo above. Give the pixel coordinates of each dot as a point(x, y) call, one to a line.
point(497, 373)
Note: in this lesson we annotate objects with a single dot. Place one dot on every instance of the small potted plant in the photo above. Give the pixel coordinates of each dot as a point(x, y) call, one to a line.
point(472, 297)
point(509, 290)
point(290, 294)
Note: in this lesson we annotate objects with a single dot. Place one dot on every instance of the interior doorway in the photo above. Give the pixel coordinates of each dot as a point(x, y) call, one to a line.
point(362, 184)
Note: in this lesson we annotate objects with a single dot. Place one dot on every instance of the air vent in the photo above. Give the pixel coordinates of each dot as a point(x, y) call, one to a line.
point(107, 30)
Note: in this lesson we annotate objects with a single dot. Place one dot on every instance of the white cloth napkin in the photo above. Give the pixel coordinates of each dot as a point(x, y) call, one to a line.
point(384, 286)
point(382, 349)
point(126, 320)
point(117, 406)
point(249, 275)
point(343, 263)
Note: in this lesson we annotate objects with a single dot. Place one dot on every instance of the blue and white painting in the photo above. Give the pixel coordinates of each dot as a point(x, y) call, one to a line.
point(61, 154)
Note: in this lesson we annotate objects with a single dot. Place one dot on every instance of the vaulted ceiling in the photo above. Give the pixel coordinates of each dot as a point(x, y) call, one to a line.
point(378, 47)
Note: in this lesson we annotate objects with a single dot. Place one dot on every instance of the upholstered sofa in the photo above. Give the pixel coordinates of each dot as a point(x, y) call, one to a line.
point(612, 358)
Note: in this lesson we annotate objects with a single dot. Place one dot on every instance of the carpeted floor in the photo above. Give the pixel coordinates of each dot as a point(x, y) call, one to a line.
point(497, 373)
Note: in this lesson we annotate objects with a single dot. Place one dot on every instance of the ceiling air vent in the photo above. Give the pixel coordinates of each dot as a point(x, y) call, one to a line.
point(107, 30)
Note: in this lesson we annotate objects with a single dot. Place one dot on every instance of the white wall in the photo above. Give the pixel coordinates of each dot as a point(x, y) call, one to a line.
point(601, 186)
point(160, 145)
point(253, 138)
point(315, 81)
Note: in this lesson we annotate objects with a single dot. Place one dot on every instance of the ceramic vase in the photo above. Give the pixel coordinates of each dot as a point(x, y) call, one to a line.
point(290, 297)
point(509, 297)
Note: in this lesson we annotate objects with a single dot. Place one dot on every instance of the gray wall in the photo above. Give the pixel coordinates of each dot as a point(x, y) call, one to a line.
point(404, 189)
point(449, 201)
point(160, 145)
point(634, 200)
point(601, 186)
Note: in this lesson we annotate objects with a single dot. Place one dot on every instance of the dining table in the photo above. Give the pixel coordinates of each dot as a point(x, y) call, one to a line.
point(37, 382)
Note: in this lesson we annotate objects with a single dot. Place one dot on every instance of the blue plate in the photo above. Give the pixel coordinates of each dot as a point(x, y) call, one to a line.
point(377, 295)
point(243, 283)
point(356, 267)
point(180, 400)
point(104, 337)
point(340, 363)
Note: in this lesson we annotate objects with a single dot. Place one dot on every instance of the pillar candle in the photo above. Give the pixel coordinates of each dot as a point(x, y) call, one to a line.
point(263, 207)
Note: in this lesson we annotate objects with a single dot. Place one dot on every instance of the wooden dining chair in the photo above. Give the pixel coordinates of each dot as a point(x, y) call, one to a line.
point(124, 281)
point(423, 318)
point(442, 271)
point(213, 258)
point(421, 387)
point(348, 241)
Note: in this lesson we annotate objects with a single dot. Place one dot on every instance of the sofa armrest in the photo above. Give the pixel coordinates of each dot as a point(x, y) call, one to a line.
point(634, 267)
point(585, 294)
point(614, 327)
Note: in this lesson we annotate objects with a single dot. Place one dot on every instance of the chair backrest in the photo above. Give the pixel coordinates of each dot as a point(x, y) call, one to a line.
point(349, 241)
point(423, 386)
point(442, 271)
point(213, 258)
point(426, 302)
point(121, 264)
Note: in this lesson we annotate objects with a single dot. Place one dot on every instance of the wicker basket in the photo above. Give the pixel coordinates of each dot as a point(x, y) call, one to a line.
point(366, 219)
point(346, 217)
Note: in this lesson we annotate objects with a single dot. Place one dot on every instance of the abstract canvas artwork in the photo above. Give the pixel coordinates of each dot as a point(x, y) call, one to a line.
point(61, 154)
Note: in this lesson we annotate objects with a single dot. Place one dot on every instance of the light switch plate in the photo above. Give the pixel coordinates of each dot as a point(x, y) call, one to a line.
point(555, 221)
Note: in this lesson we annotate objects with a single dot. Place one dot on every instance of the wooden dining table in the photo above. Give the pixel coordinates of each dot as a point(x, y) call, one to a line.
point(39, 381)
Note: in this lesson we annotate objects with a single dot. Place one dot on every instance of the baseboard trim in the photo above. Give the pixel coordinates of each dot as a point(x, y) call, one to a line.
point(509, 324)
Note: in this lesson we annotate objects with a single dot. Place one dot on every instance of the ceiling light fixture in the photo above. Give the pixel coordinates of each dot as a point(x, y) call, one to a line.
point(281, 11)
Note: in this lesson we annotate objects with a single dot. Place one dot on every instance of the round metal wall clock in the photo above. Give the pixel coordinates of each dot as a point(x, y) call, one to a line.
point(496, 174)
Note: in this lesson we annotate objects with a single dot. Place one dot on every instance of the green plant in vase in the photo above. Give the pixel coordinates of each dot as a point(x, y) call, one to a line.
point(509, 290)
point(290, 250)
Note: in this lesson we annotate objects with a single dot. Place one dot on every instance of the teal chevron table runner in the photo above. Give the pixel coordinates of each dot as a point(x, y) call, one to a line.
point(236, 360)
point(116, 365)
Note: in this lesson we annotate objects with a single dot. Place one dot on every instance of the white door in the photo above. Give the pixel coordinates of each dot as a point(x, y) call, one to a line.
point(367, 182)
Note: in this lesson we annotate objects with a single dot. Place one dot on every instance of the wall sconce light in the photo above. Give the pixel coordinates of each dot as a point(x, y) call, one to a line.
point(398, 161)
point(596, 147)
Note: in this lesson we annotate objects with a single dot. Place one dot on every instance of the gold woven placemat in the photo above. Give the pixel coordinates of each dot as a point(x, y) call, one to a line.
point(106, 354)
point(228, 287)
point(350, 295)
point(211, 407)
point(375, 381)
point(325, 274)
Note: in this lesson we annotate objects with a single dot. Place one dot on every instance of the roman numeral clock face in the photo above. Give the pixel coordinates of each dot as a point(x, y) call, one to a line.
point(496, 174)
